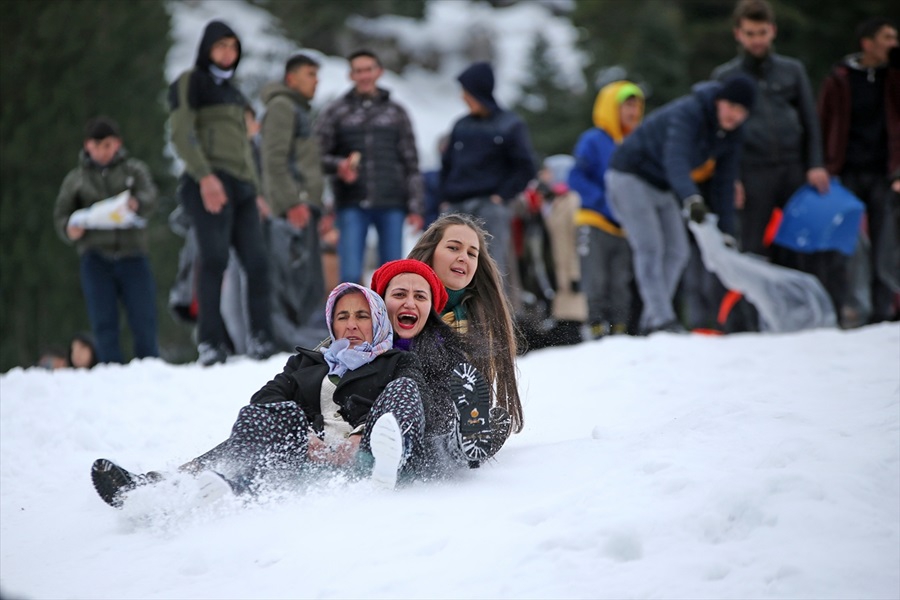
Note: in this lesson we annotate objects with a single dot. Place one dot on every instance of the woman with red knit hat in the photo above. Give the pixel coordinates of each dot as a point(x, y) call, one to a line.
point(456, 397)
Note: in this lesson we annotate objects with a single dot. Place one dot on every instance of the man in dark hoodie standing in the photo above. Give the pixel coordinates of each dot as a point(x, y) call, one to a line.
point(652, 178)
point(487, 163)
point(218, 189)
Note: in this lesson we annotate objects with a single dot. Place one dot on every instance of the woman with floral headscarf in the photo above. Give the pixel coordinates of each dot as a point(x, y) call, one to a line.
point(342, 406)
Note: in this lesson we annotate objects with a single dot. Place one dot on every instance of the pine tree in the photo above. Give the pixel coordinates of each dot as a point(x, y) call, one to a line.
point(64, 61)
point(554, 112)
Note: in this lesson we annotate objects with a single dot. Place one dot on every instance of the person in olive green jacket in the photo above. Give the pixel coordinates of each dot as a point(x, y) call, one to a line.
point(218, 190)
point(291, 163)
point(112, 245)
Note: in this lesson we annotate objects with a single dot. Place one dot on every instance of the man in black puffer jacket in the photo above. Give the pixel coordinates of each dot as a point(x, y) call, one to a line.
point(368, 148)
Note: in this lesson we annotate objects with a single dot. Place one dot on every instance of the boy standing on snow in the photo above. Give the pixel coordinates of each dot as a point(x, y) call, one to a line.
point(113, 251)
point(218, 189)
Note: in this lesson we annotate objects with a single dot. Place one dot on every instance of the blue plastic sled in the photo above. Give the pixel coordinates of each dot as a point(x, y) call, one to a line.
point(815, 223)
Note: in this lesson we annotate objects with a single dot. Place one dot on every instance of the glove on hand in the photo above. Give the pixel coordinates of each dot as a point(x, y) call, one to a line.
point(695, 208)
point(356, 410)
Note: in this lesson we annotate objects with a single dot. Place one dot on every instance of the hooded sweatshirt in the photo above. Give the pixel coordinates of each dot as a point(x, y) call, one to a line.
point(592, 154)
point(207, 121)
point(859, 109)
point(487, 154)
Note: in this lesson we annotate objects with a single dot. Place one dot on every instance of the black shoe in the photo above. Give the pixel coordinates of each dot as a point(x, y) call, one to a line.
point(112, 481)
point(673, 326)
point(210, 354)
point(472, 396)
point(501, 425)
point(261, 347)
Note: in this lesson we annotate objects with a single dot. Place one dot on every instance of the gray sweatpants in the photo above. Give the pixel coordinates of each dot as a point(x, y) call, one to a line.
point(658, 237)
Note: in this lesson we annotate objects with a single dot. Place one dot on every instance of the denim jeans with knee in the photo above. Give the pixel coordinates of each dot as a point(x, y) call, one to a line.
point(105, 281)
point(353, 223)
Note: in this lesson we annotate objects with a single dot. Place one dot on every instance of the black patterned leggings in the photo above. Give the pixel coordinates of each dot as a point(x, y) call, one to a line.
point(270, 440)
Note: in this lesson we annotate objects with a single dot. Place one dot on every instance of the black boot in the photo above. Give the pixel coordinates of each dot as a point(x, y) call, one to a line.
point(112, 481)
point(472, 396)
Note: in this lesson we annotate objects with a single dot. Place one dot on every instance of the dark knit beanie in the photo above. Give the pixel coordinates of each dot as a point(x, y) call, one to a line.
point(100, 128)
point(478, 80)
point(739, 89)
point(383, 275)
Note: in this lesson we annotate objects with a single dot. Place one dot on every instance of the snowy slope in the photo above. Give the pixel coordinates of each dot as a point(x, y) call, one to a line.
point(751, 465)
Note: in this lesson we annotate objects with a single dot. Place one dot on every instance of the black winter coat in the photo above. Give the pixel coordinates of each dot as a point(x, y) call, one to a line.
point(439, 349)
point(301, 380)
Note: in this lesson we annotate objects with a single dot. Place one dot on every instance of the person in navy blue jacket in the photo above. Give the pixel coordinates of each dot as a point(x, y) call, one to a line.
point(653, 175)
point(487, 163)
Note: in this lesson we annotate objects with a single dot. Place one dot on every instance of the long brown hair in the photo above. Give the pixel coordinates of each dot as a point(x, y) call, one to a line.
point(488, 312)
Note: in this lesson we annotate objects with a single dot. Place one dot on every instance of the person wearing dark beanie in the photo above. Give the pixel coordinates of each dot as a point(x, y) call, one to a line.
point(652, 182)
point(738, 89)
point(487, 163)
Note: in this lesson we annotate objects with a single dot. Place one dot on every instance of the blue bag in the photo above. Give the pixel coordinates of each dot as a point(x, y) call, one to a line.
point(815, 223)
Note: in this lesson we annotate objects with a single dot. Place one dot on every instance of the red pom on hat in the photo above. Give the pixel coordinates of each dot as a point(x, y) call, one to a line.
point(383, 275)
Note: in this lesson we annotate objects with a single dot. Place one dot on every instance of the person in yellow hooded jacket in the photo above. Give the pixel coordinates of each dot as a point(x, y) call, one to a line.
point(606, 263)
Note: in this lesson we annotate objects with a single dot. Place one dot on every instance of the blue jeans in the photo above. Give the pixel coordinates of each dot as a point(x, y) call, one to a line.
point(106, 280)
point(354, 223)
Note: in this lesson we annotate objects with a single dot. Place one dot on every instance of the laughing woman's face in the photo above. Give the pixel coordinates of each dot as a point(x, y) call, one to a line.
point(408, 301)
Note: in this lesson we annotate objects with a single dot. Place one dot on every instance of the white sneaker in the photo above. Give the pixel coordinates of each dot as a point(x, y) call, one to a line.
point(211, 487)
point(387, 448)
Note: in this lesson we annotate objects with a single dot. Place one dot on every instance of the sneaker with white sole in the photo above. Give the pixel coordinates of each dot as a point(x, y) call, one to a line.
point(386, 442)
point(211, 487)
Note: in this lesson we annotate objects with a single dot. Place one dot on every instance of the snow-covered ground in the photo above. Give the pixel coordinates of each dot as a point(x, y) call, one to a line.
point(744, 466)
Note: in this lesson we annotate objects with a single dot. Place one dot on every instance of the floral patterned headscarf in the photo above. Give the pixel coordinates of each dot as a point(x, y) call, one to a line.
point(339, 355)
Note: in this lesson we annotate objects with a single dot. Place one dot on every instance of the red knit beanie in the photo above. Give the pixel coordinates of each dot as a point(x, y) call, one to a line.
point(389, 270)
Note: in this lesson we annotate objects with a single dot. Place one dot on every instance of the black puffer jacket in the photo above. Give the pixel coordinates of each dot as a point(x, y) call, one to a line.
point(380, 130)
point(301, 380)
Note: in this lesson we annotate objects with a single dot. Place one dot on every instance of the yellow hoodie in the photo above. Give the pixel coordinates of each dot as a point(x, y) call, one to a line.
point(606, 117)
